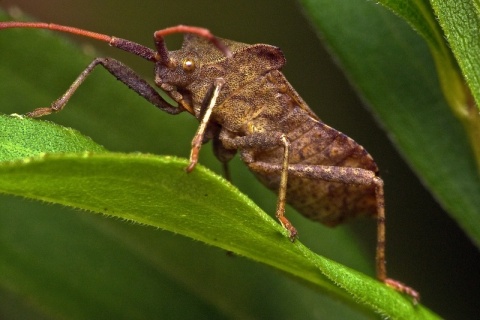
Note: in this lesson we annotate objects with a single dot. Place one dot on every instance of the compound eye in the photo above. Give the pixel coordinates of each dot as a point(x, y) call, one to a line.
point(188, 65)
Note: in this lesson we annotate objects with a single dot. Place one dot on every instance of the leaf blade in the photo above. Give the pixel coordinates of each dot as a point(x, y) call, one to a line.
point(133, 198)
point(23, 137)
point(460, 21)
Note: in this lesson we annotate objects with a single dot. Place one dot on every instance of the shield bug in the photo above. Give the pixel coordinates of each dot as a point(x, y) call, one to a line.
point(244, 103)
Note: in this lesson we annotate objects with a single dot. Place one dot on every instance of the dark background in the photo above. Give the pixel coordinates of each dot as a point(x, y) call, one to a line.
point(426, 249)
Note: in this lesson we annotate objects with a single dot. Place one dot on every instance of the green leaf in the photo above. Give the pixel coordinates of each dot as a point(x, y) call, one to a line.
point(25, 137)
point(419, 15)
point(396, 76)
point(459, 26)
point(460, 21)
point(156, 191)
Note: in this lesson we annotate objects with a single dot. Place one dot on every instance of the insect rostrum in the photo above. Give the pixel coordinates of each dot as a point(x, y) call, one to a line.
point(244, 103)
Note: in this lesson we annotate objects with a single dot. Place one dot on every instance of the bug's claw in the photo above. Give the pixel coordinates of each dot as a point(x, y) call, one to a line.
point(39, 112)
point(292, 232)
point(190, 167)
point(400, 287)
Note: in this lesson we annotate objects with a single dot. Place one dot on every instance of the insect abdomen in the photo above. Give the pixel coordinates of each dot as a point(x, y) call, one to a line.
point(316, 144)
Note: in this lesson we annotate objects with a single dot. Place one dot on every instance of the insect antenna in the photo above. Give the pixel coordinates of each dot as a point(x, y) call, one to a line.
point(160, 55)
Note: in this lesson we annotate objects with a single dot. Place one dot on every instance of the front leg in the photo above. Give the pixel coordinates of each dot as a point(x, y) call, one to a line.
point(122, 73)
point(197, 140)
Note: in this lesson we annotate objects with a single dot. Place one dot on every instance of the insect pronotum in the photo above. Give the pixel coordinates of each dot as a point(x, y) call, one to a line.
point(244, 103)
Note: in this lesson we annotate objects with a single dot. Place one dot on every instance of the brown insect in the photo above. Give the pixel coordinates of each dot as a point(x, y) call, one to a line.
point(244, 103)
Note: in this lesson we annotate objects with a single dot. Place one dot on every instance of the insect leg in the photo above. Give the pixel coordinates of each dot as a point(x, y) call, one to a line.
point(267, 140)
point(122, 73)
point(282, 191)
point(348, 175)
point(223, 154)
point(197, 140)
point(380, 260)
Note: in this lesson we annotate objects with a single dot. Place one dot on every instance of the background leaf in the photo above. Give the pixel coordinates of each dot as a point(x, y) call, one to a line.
point(119, 120)
point(460, 21)
point(459, 91)
point(420, 17)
